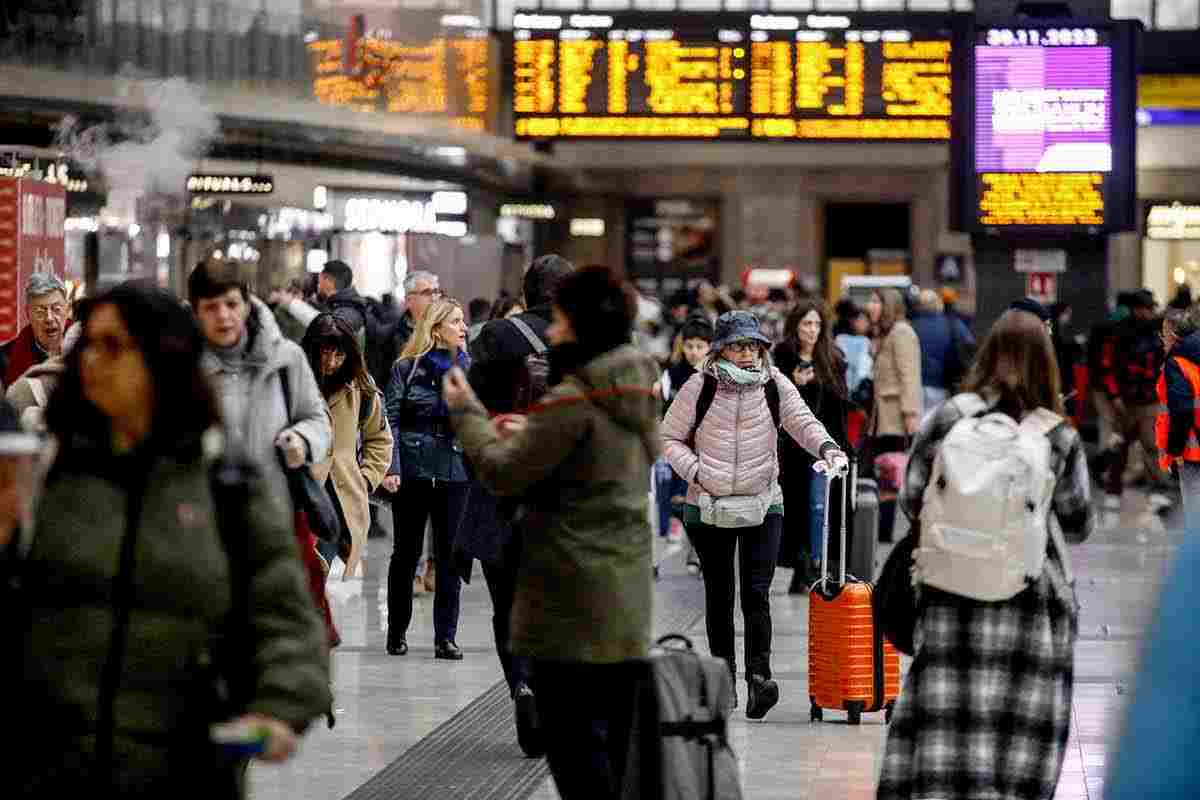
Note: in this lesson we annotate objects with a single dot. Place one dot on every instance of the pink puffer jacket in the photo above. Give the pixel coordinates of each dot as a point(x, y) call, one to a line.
point(736, 445)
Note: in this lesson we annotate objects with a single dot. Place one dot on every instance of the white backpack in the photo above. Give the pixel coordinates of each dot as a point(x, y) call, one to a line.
point(985, 521)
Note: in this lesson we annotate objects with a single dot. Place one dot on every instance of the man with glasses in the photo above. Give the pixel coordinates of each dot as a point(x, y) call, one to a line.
point(47, 312)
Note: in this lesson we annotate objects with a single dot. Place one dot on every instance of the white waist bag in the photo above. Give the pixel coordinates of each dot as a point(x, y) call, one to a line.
point(985, 518)
point(733, 511)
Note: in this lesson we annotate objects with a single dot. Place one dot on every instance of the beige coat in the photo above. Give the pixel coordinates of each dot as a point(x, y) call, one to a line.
point(897, 380)
point(354, 483)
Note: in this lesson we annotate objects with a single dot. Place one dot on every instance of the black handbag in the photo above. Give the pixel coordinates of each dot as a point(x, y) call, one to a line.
point(894, 602)
point(308, 495)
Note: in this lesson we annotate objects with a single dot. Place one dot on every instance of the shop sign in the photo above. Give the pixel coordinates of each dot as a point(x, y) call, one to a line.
point(1040, 260)
point(1169, 91)
point(294, 223)
point(1173, 221)
point(231, 184)
point(55, 172)
point(33, 217)
point(587, 227)
point(534, 211)
point(439, 212)
point(1042, 286)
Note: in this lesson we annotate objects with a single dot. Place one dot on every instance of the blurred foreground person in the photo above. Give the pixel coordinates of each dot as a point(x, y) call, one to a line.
point(427, 476)
point(986, 706)
point(722, 437)
point(160, 591)
point(362, 441)
point(583, 594)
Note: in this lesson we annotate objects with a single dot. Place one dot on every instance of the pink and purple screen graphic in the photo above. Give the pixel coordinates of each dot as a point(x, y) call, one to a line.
point(1043, 109)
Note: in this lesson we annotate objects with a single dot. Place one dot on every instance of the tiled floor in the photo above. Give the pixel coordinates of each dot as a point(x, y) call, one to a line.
point(385, 705)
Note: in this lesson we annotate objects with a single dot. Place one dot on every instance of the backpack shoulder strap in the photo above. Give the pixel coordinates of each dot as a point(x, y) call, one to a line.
point(969, 404)
point(708, 391)
point(771, 390)
point(287, 394)
point(535, 341)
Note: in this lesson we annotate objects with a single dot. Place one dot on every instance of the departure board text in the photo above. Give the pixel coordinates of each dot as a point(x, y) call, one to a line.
point(1042, 199)
point(730, 76)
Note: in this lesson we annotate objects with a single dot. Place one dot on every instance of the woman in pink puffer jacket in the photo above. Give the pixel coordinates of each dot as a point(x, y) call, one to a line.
point(734, 502)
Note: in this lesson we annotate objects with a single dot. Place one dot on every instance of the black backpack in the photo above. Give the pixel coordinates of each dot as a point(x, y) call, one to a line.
point(709, 391)
point(534, 380)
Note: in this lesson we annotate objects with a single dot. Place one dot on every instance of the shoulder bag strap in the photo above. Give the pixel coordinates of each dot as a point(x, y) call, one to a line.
point(708, 391)
point(534, 340)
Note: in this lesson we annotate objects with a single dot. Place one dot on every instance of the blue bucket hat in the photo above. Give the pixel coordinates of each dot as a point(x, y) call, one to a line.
point(738, 326)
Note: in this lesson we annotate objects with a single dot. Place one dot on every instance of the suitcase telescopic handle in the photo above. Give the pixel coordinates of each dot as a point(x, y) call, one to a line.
point(829, 478)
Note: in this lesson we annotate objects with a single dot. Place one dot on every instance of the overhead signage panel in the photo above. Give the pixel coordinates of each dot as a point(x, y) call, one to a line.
point(1046, 136)
point(733, 76)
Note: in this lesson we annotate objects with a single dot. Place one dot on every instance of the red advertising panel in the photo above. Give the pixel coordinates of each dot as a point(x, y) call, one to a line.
point(32, 214)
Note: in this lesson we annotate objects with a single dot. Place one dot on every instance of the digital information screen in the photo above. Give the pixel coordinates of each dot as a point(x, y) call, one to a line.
point(731, 76)
point(443, 75)
point(1048, 144)
point(1043, 127)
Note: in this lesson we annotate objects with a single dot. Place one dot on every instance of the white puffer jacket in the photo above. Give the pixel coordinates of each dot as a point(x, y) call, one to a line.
point(736, 447)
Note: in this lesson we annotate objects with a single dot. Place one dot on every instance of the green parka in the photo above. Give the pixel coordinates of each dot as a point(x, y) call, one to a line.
point(181, 594)
point(584, 586)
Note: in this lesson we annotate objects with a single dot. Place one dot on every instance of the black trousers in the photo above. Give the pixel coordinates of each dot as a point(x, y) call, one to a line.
point(502, 586)
point(417, 502)
point(756, 549)
point(586, 711)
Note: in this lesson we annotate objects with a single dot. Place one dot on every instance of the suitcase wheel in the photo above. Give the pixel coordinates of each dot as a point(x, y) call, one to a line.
point(815, 714)
point(887, 712)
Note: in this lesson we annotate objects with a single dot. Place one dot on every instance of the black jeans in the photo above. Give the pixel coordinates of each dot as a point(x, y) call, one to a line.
point(417, 502)
point(757, 549)
point(502, 586)
point(586, 711)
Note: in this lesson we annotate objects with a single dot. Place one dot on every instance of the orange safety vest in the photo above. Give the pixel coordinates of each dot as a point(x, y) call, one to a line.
point(1162, 424)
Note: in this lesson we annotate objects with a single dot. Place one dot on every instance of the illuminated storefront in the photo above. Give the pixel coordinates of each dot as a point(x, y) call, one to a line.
point(1171, 246)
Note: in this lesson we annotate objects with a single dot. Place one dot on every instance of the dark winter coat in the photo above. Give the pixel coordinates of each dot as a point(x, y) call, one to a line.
point(164, 699)
point(350, 307)
point(424, 444)
point(939, 356)
point(498, 358)
point(1138, 361)
point(1181, 397)
point(584, 585)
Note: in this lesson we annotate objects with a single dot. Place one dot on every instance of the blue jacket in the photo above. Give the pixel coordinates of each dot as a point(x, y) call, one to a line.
point(424, 446)
point(939, 359)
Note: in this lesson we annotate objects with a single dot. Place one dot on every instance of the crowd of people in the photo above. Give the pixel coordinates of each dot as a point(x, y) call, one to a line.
point(182, 477)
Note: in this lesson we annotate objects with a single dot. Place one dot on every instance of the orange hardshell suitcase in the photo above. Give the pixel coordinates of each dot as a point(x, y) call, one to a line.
point(851, 667)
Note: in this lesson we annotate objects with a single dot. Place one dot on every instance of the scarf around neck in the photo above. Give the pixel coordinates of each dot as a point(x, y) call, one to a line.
point(735, 374)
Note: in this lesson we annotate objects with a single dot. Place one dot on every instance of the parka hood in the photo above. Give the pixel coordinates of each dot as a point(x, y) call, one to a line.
point(620, 384)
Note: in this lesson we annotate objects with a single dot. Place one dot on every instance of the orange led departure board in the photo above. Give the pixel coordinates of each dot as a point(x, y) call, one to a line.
point(445, 75)
point(1041, 198)
point(720, 76)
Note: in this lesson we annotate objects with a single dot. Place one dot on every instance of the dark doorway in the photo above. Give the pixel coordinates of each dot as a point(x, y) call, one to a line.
point(854, 229)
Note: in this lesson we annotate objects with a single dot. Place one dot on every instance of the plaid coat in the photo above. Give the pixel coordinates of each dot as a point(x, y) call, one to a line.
point(985, 709)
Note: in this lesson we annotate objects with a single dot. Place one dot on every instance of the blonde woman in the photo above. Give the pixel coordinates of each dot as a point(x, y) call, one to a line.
point(427, 478)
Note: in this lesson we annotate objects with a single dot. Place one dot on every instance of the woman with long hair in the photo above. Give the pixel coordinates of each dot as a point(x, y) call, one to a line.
point(148, 546)
point(986, 706)
point(898, 400)
point(810, 360)
point(428, 475)
point(362, 441)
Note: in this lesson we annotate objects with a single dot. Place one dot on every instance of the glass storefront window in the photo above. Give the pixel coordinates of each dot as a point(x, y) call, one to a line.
point(1164, 263)
point(1133, 9)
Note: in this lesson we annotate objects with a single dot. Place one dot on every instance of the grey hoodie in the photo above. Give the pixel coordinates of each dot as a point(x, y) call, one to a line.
point(251, 398)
